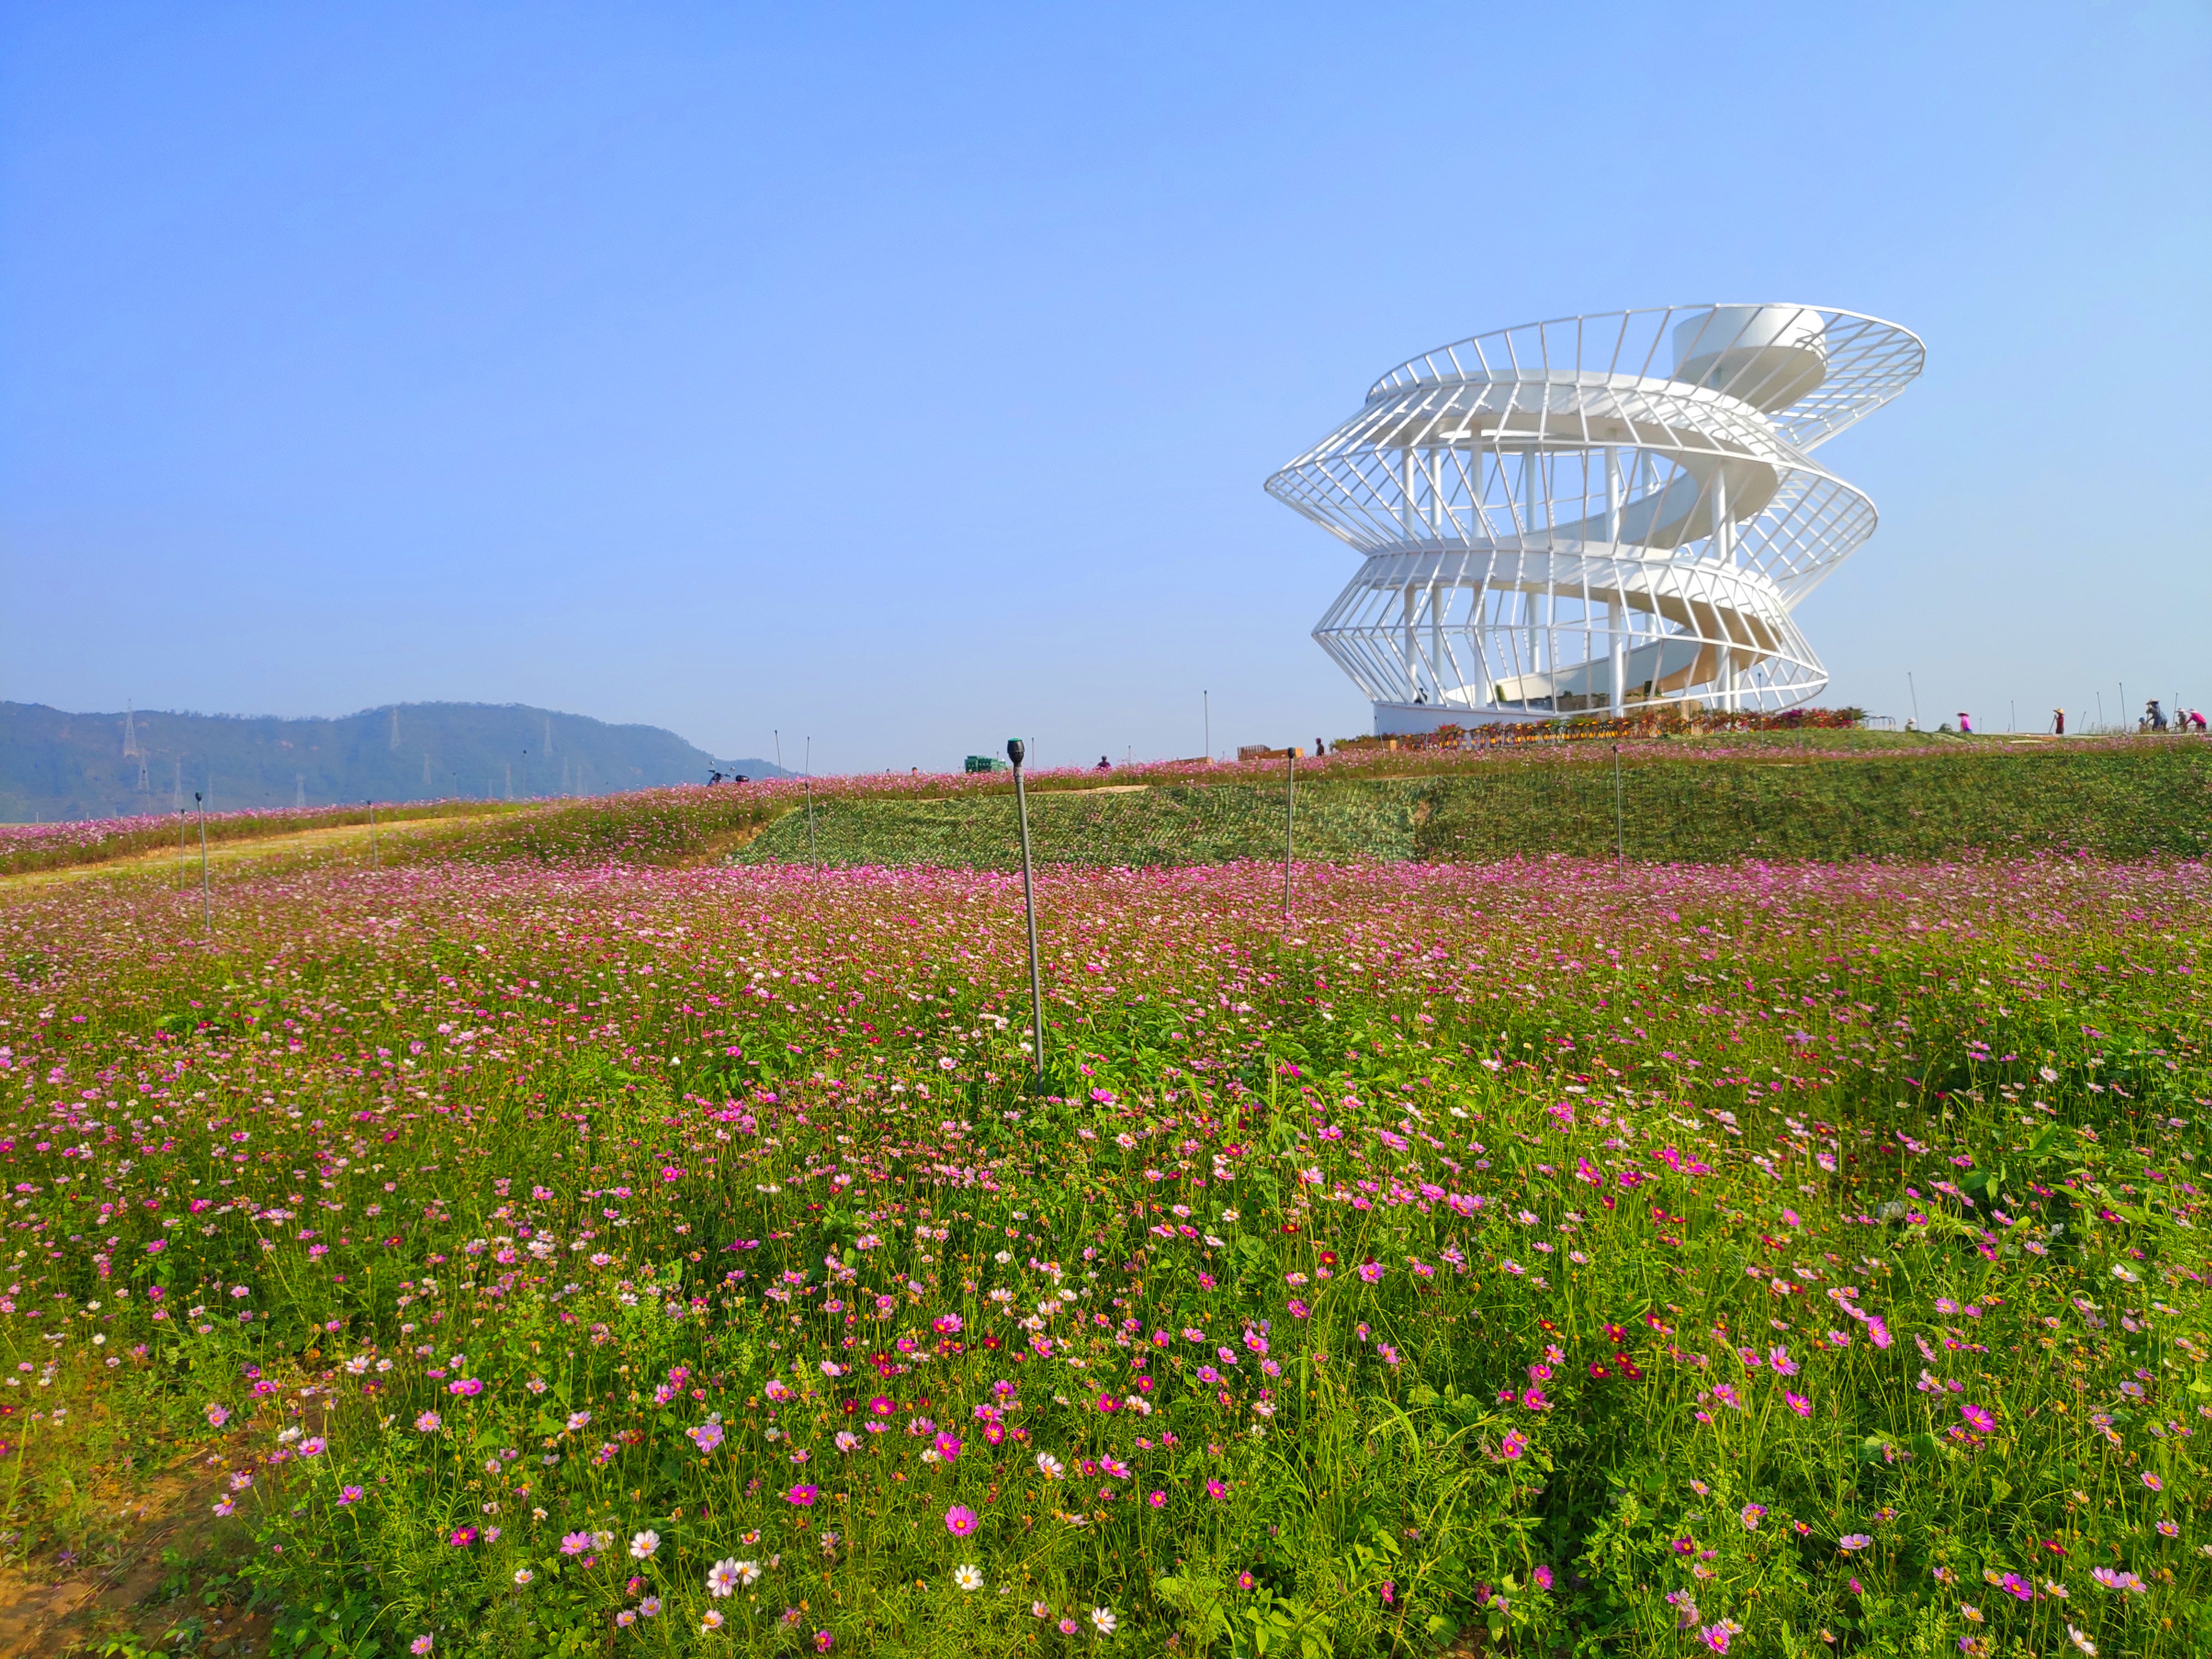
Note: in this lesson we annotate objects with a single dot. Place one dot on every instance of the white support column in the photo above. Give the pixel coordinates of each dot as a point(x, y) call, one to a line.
point(1546, 659)
point(1612, 494)
point(1723, 554)
point(1406, 650)
point(1409, 514)
point(1616, 624)
point(1439, 596)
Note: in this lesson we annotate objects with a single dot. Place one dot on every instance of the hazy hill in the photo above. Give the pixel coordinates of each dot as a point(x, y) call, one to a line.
point(54, 764)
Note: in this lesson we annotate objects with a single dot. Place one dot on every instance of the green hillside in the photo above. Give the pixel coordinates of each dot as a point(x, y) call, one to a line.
point(2122, 802)
point(55, 764)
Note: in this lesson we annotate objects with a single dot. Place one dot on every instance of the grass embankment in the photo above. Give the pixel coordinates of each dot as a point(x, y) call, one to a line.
point(28, 846)
point(562, 1261)
point(1815, 793)
point(1770, 802)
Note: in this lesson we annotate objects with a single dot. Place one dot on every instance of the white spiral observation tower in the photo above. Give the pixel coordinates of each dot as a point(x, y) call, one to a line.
point(1598, 513)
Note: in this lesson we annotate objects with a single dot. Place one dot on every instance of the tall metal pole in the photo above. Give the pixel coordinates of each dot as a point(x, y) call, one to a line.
point(206, 904)
point(1290, 822)
point(1206, 701)
point(1015, 752)
point(1619, 822)
point(810, 858)
point(1915, 691)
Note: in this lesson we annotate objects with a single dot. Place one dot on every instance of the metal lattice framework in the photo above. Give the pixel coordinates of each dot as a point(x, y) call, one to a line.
point(1597, 512)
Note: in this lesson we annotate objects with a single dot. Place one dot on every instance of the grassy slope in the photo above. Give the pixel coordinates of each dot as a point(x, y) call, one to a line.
point(1799, 802)
point(1813, 794)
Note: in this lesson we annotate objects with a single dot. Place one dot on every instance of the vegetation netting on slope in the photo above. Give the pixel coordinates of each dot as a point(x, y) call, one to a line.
point(1700, 811)
point(574, 1260)
point(1206, 824)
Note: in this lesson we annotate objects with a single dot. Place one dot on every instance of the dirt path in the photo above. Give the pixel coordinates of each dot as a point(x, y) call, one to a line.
point(152, 1581)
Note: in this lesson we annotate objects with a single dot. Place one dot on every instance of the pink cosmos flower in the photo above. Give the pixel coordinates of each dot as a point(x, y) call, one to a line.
point(947, 1445)
point(1513, 1446)
point(1216, 1491)
point(1797, 1403)
point(960, 1521)
point(804, 1496)
point(1978, 1419)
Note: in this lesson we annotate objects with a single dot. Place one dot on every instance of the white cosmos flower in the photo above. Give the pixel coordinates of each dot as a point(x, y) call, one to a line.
point(968, 1577)
point(642, 1545)
point(1104, 1619)
point(1051, 1467)
point(722, 1577)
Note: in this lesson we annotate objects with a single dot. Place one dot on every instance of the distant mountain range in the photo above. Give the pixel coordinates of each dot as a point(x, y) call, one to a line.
point(54, 764)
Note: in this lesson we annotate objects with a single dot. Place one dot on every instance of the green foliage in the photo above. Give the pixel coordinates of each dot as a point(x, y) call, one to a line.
point(1529, 1255)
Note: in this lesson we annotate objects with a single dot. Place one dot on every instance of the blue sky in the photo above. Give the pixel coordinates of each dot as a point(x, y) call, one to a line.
point(907, 376)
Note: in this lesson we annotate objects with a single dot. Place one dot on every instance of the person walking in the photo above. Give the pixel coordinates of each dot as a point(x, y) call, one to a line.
point(1965, 726)
point(2058, 721)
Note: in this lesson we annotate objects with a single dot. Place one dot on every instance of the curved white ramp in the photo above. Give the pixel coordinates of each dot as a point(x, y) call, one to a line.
point(1598, 511)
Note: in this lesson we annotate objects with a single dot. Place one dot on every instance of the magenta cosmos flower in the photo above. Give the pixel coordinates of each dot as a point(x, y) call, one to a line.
point(960, 1521)
point(804, 1496)
point(1979, 1420)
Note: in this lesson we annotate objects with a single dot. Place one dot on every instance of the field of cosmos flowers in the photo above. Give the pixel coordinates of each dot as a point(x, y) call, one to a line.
point(577, 1258)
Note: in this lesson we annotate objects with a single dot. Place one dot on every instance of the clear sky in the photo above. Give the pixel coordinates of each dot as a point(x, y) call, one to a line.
point(906, 377)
